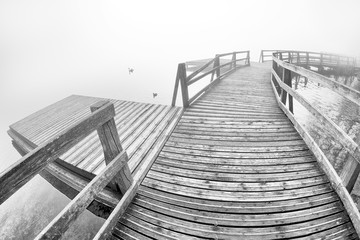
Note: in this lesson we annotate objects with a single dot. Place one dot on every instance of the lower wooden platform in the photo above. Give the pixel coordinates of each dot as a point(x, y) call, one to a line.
point(235, 168)
point(141, 128)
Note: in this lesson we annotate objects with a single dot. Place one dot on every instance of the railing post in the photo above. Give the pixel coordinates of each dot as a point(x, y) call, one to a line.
point(183, 83)
point(350, 173)
point(110, 142)
point(298, 58)
point(307, 60)
point(248, 58)
point(274, 66)
point(233, 65)
point(216, 64)
point(286, 78)
point(261, 59)
point(175, 88)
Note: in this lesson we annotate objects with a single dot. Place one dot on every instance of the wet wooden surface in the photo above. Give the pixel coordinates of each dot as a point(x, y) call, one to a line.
point(235, 168)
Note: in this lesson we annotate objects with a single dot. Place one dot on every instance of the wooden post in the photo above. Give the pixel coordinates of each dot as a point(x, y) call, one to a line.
point(110, 142)
point(273, 78)
point(298, 59)
point(216, 64)
point(307, 60)
point(261, 59)
point(183, 83)
point(350, 173)
point(286, 78)
point(283, 94)
point(248, 58)
point(234, 61)
point(175, 88)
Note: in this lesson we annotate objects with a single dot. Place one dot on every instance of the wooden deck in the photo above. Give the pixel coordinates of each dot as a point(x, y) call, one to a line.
point(232, 166)
point(235, 168)
point(141, 128)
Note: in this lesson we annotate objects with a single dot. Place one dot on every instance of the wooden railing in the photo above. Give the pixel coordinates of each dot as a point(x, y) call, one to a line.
point(117, 173)
point(307, 59)
point(215, 70)
point(282, 72)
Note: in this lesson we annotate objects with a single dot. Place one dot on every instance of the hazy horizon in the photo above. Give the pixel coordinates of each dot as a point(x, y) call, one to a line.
point(52, 49)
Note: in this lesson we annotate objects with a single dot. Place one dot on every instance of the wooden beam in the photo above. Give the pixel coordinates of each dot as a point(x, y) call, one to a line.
point(110, 142)
point(199, 70)
point(32, 163)
point(175, 89)
point(56, 228)
point(183, 83)
point(327, 168)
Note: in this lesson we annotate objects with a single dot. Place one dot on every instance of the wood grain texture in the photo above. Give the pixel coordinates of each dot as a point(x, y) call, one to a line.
point(33, 162)
point(235, 168)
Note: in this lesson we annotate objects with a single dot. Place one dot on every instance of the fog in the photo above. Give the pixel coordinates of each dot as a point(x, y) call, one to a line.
point(51, 49)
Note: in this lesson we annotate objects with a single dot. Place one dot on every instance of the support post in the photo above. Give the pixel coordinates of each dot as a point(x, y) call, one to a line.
point(274, 66)
point(248, 58)
point(286, 78)
point(183, 83)
point(175, 89)
point(110, 142)
point(350, 173)
point(217, 71)
point(233, 60)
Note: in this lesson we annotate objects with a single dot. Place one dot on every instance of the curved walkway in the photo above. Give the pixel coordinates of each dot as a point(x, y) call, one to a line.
point(235, 168)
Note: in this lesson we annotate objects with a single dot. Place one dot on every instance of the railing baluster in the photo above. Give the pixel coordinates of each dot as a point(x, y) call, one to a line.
point(110, 142)
point(183, 83)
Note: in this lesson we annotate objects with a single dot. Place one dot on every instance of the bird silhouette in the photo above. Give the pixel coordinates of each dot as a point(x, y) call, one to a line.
point(131, 70)
point(155, 95)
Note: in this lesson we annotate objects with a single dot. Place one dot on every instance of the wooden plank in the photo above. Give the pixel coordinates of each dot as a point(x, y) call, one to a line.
point(238, 207)
point(29, 165)
point(237, 220)
point(110, 142)
point(56, 228)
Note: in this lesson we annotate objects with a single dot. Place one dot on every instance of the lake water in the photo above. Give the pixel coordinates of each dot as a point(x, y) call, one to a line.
point(29, 210)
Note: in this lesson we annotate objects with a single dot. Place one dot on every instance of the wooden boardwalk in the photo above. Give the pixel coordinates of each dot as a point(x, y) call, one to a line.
point(230, 166)
point(235, 168)
point(141, 127)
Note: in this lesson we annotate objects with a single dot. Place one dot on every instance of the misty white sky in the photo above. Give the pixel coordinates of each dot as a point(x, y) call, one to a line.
point(51, 49)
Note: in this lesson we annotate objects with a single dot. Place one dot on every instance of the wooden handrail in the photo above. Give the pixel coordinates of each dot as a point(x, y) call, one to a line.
point(351, 169)
point(345, 91)
point(32, 163)
point(324, 163)
point(117, 170)
point(62, 221)
point(186, 81)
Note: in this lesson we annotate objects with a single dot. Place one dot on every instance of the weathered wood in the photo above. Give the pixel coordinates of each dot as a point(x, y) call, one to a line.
point(56, 228)
point(177, 79)
point(342, 137)
point(110, 142)
point(350, 173)
point(33, 162)
point(345, 91)
point(121, 207)
point(184, 86)
point(200, 69)
point(326, 166)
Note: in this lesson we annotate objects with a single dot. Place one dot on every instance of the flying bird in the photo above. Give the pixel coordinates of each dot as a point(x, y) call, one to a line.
point(131, 70)
point(155, 95)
